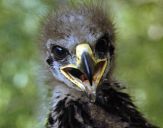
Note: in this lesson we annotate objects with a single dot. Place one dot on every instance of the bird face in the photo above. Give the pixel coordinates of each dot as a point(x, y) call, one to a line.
point(81, 54)
point(86, 73)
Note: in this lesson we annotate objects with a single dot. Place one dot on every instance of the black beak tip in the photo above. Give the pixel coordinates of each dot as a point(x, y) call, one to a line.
point(90, 80)
point(88, 66)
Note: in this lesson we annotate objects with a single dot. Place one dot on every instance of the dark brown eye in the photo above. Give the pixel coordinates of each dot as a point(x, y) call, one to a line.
point(101, 47)
point(59, 53)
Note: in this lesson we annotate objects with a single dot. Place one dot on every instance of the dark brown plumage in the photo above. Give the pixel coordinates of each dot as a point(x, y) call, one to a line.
point(72, 105)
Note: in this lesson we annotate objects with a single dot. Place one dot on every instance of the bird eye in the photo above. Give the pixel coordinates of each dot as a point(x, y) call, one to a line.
point(58, 52)
point(101, 46)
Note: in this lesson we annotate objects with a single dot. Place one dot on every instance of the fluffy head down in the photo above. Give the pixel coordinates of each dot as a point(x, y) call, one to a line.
point(70, 27)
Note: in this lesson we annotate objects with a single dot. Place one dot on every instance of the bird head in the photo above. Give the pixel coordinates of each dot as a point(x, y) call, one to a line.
point(80, 47)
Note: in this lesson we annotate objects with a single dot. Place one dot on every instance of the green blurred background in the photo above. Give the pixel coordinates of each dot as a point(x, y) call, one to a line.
point(139, 26)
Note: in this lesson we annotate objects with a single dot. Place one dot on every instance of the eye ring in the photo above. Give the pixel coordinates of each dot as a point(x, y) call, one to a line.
point(58, 52)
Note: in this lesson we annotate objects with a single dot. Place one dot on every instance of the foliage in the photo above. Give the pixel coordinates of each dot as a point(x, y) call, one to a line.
point(139, 26)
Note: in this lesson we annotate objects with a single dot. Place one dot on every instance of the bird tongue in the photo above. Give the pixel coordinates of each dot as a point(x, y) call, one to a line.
point(83, 78)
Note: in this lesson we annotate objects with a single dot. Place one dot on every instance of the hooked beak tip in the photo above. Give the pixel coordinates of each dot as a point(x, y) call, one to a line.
point(88, 66)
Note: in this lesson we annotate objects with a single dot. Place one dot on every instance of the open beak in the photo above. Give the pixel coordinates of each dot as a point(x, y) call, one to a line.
point(87, 72)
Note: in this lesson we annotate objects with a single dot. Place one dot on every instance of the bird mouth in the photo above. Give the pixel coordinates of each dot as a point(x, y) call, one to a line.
point(87, 72)
point(79, 78)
